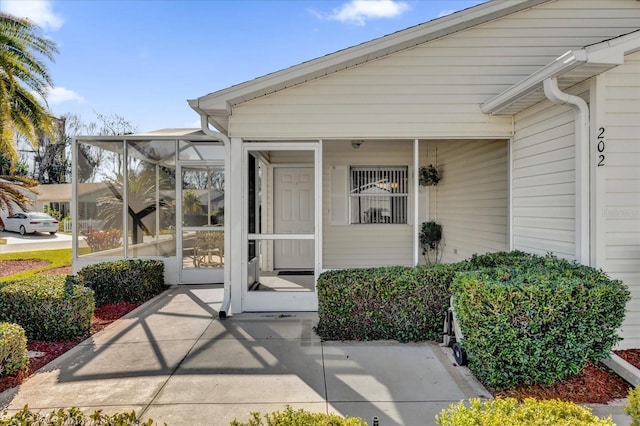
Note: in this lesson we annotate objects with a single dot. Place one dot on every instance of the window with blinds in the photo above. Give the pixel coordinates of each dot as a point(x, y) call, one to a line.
point(378, 194)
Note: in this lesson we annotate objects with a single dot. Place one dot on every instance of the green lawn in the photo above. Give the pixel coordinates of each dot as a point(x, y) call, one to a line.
point(56, 259)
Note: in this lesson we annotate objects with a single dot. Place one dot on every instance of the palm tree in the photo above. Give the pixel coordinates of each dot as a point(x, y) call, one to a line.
point(22, 73)
point(24, 81)
point(14, 192)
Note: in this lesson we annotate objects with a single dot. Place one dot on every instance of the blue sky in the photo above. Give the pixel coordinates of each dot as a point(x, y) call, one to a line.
point(143, 59)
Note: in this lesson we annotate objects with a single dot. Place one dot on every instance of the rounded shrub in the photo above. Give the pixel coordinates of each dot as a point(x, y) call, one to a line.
point(536, 318)
point(132, 281)
point(48, 307)
point(13, 348)
point(507, 411)
point(289, 416)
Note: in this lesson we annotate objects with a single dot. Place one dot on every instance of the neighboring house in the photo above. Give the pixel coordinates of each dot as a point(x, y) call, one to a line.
point(55, 197)
point(58, 197)
point(530, 110)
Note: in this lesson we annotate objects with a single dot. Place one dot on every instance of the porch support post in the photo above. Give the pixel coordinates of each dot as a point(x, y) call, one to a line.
point(74, 204)
point(318, 235)
point(416, 195)
point(235, 262)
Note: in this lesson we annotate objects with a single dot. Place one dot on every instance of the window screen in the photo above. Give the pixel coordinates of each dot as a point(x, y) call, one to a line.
point(378, 194)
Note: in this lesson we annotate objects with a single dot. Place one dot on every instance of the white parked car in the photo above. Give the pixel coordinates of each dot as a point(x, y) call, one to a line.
point(28, 223)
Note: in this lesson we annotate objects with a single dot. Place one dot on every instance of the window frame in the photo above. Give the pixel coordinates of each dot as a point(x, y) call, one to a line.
point(373, 177)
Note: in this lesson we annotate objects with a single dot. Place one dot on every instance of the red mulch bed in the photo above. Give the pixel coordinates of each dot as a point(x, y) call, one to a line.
point(102, 317)
point(632, 356)
point(595, 385)
point(64, 270)
point(10, 267)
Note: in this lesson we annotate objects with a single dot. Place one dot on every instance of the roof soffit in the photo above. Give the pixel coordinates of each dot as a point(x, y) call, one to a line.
point(571, 68)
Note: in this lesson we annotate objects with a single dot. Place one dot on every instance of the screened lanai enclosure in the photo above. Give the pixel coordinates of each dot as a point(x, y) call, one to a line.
point(152, 195)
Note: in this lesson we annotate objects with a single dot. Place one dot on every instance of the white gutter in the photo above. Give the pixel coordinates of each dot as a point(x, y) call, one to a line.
point(600, 56)
point(416, 204)
point(555, 95)
point(226, 296)
point(559, 66)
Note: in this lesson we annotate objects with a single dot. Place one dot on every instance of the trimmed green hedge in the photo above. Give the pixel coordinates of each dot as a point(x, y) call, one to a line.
point(299, 417)
point(48, 307)
point(73, 416)
point(13, 348)
point(400, 303)
point(132, 281)
point(535, 318)
point(507, 411)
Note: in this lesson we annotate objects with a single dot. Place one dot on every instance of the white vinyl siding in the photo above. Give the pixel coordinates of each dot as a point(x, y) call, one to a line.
point(471, 199)
point(435, 89)
point(543, 180)
point(365, 245)
point(621, 207)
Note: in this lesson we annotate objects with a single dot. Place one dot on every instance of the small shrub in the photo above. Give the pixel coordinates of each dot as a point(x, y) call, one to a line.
point(400, 303)
point(103, 240)
point(633, 406)
point(507, 411)
point(535, 318)
point(130, 281)
point(47, 307)
point(73, 417)
point(13, 348)
point(299, 417)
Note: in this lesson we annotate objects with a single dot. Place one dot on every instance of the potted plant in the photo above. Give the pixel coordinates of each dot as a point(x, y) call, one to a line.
point(430, 238)
point(429, 175)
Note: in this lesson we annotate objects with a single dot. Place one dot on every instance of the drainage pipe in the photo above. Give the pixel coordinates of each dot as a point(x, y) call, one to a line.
point(558, 97)
point(226, 296)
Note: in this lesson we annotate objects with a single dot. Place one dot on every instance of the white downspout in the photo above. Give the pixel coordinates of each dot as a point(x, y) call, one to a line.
point(555, 95)
point(416, 204)
point(226, 297)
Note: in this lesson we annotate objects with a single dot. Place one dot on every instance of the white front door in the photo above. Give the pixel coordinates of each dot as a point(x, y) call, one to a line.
point(294, 213)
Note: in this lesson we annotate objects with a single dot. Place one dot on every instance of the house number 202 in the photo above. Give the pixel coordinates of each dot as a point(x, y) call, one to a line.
point(600, 147)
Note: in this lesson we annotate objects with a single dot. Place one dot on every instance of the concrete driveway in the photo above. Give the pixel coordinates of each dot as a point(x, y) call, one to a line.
point(35, 241)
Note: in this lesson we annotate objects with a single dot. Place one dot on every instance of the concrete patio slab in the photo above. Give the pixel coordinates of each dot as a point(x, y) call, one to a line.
point(266, 326)
point(388, 371)
point(240, 389)
point(45, 391)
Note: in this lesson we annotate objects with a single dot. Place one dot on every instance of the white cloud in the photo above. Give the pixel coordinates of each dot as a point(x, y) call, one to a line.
point(58, 95)
point(358, 12)
point(38, 11)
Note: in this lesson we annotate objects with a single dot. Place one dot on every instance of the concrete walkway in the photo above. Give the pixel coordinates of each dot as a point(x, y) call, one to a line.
point(173, 361)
